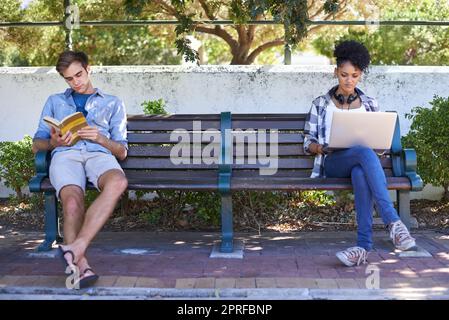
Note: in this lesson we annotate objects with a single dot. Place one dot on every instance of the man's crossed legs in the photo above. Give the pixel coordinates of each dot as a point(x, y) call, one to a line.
point(68, 173)
point(81, 227)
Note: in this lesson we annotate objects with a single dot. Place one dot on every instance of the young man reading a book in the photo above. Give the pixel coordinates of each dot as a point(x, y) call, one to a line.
point(94, 156)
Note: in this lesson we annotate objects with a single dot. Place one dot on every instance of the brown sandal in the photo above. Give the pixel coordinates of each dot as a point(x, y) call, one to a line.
point(88, 281)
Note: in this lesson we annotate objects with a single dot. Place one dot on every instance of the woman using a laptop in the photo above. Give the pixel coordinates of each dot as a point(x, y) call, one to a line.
point(360, 163)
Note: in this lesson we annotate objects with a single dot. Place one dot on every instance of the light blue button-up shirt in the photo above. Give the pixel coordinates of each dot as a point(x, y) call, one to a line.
point(106, 112)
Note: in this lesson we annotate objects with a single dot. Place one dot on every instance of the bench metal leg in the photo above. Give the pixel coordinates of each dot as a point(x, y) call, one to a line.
point(403, 199)
point(51, 222)
point(227, 234)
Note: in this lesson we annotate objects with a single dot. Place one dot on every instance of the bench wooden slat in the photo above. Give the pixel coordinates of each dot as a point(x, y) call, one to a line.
point(212, 174)
point(171, 174)
point(269, 116)
point(158, 138)
point(305, 173)
point(173, 117)
point(164, 151)
point(262, 184)
point(206, 174)
point(155, 138)
point(166, 163)
point(400, 183)
point(215, 117)
point(194, 185)
point(163, 186)
point(161, 125)
point(268, 124)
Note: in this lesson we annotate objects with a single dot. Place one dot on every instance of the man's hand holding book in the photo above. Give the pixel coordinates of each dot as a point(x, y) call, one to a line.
point(86, 133)
point(91, 133)
point(57, 140)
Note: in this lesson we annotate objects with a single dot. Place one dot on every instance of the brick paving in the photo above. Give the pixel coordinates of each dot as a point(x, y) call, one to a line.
point(271, 260)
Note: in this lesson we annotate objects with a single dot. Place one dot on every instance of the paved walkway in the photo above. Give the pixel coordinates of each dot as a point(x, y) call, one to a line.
point(162, 262)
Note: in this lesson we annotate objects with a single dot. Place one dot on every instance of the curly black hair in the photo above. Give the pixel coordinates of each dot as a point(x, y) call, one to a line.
point(354, 52)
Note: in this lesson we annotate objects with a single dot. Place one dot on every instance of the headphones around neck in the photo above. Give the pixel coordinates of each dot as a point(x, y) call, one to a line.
point(341, 98)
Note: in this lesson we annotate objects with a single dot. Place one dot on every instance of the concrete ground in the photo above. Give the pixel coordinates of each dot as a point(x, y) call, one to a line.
point(149, 265)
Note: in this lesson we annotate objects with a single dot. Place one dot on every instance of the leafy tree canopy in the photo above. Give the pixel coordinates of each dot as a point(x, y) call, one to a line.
point(105, 45)
point(399, 45)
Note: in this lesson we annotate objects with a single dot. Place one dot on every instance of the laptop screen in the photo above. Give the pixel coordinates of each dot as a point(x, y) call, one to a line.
point(371, 129)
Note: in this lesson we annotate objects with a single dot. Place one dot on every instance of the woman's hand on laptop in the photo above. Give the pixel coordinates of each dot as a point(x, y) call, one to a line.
point(316, 148)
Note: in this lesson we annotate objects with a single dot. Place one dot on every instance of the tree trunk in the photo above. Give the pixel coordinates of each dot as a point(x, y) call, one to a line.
point(240, 54)
point(446, 193)
point(124, 204)
point(239, 61)
point(19, 193)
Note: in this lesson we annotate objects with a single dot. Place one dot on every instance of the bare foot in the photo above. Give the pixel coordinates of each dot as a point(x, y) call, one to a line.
point(77, 250)
point(85, 269)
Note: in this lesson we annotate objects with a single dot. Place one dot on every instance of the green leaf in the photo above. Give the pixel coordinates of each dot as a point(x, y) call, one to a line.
point(429, 136)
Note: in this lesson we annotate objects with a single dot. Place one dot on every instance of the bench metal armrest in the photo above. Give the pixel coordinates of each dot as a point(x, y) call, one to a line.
point(404, 160)
point(409, 160)
point(42, 164)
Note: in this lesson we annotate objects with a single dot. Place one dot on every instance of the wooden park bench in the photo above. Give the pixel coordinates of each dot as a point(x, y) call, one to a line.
point(149, 166)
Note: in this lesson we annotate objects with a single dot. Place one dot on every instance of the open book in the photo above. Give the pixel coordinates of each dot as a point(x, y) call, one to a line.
point(72, 123)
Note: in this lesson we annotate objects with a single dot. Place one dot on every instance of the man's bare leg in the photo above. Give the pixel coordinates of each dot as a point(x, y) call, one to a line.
point(72, 199)
point(112, 183)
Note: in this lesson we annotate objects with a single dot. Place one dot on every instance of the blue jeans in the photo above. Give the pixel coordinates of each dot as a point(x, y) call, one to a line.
point(369, 185)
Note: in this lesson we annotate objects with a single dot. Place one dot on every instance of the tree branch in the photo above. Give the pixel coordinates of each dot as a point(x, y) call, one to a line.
point(337, 15)
point(171, 10)
point(252, 28)
point(219, 32)
point(241, 32)
point(312, 3)
point(316, 13)
point(207, 10)
point(263, 47)
point(316, 28)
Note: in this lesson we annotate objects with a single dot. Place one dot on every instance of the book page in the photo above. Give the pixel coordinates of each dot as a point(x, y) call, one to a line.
point(52, 122)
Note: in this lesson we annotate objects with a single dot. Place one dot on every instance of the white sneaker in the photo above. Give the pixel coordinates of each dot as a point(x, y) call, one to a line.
point(352, 256)
point(400, 236)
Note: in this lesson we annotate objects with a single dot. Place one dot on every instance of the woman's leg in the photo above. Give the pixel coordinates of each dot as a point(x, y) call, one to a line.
point(340, 164)
point(364, 208)
point(369, 183)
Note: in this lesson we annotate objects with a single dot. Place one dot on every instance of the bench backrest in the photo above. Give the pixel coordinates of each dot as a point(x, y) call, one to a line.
point(150, 145)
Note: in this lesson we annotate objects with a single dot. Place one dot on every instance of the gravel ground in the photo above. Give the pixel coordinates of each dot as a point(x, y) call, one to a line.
point(138, 217)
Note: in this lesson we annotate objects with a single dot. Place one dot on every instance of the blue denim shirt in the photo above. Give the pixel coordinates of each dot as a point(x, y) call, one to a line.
point(106, 112)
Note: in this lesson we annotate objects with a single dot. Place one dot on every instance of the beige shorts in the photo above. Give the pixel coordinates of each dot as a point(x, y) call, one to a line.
point(73, 167)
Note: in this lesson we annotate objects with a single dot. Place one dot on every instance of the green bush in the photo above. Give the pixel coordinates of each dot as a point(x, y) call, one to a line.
point(429, 136)
point(207, 205)
point(90, 196)
point(321, 198)
point(154, 107)
point(16, 164)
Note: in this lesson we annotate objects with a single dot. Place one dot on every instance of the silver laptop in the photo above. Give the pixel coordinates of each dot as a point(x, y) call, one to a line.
point(370, 129)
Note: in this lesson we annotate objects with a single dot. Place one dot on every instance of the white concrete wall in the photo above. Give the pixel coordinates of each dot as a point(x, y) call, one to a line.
point(212, 89)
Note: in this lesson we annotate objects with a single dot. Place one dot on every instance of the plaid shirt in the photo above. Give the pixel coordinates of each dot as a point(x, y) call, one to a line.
point(315, 126)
